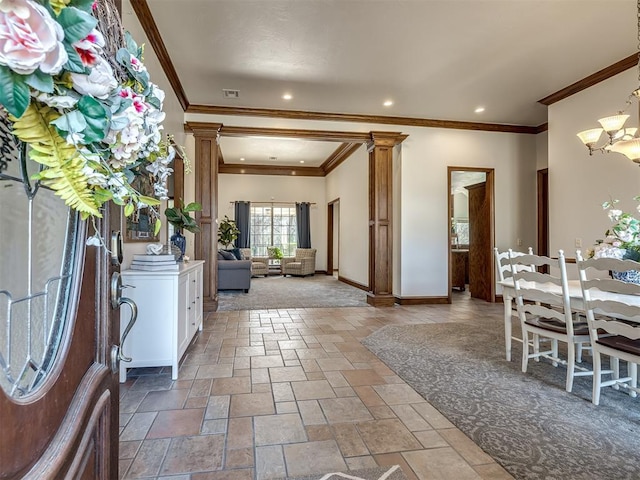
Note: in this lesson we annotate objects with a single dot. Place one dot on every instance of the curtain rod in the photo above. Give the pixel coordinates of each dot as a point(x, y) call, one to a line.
point(279, 203)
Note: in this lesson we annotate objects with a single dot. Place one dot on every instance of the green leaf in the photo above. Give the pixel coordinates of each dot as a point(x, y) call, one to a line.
point(74, 64)
point(193, 207)
point(96, 116)
point(72, 122)
point(39, 80)
point(149, 200)
point(128, 209)
point(14, 92)
point(76, 24)
point(157, 226)
point(131, 44)
point(84, 5)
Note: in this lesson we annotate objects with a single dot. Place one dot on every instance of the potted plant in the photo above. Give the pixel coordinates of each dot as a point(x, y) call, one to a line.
point(227, 232)
point(180, 218)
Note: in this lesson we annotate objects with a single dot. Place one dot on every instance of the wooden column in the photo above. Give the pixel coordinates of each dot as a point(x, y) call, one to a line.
point(380, 149)
point(205, 170)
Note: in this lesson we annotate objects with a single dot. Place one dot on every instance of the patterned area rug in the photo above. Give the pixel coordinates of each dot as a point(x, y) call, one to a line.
point(526, 422)
point(292, 292)
point(381, 473)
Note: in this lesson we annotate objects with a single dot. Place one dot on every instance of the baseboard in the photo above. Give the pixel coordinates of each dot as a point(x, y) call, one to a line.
point(209, 305)
point(353, 284)
point(322, 272)
point(499, 299)
point(422, 300)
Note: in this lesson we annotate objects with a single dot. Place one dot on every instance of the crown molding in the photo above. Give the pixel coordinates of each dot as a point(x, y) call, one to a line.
point(334, 160)
point(591, 80)
point(542, 128)
point(142, 11)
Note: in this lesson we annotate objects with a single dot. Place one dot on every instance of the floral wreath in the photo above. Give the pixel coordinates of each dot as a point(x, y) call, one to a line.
point(91, 119)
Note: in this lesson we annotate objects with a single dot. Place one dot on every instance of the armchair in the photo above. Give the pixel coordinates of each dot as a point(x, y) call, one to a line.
point(303, 264)
point(259, 265)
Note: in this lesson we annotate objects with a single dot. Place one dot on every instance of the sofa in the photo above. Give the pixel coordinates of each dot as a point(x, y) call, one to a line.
point(259, 265)
point(233, 274)
point(303, 264)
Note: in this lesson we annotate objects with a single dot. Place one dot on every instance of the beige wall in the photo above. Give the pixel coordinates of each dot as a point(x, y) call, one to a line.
point(579, 183)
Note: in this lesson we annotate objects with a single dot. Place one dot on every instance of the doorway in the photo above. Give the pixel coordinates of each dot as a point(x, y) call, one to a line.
point(471, 232)
point(333, 238)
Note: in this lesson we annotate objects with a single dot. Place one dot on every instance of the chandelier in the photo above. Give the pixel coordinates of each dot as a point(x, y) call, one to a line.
point(618, 138)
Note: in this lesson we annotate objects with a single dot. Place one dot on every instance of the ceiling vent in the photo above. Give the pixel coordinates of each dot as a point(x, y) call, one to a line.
point(229, 93)
point(273, 159)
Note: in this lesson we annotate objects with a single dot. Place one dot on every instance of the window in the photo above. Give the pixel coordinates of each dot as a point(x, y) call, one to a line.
point(273, 226)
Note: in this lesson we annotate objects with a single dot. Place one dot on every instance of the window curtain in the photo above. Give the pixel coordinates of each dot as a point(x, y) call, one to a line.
point(243, 222)
point(304, 224)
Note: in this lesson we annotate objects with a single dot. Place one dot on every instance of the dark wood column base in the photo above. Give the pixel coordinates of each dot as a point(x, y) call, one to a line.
point(380, 300)
point(210, 305)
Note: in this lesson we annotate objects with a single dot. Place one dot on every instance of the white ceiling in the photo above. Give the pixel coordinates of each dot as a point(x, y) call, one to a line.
point(436, 59)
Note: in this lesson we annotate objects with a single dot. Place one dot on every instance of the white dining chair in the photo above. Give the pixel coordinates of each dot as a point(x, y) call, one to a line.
point(613, 315)
point(503, 267)
point(544, 309)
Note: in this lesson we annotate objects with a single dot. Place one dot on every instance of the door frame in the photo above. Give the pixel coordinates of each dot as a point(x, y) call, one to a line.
point(330, 232)
point(543, 211)
point(490, 180)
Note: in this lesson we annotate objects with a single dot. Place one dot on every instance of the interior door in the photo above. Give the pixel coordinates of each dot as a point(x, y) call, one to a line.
point(58, 391)
point(481, 273)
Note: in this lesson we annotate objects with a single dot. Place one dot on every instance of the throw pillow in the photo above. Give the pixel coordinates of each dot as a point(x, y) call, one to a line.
point(237, 253)
point(220, 257)
point(227, 255)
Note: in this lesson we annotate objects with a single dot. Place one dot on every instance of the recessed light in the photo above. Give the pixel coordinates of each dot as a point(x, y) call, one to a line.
point(287, 96)
point(301, 161)
point(388, 103)
point(242, 159)
point(479, 110)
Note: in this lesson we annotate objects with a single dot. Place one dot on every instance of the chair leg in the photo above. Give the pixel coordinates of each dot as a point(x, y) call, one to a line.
point(536, 346)
point(579, 352)
point(615, 366)
point(597, 367)
point(571, 358)
point(554, 352)
point(633, 373)
point(525, 350)
point(507, 326)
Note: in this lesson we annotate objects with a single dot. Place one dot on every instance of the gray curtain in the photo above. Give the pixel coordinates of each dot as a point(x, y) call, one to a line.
point(243, 222)
point(304, 225)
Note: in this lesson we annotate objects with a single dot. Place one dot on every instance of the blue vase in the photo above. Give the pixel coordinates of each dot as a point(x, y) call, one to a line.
point(179, 241)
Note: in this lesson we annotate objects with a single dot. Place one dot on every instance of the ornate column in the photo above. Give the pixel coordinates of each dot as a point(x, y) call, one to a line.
point(380, 149)
point(205, 170)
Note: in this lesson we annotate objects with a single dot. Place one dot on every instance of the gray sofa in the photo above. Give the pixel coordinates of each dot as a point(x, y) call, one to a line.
point(234, 275)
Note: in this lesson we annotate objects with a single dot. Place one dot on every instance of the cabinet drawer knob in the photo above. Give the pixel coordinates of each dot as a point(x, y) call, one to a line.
point(193, 303)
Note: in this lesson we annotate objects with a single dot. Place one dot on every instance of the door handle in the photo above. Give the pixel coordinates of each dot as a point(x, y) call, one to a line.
point(116, 301)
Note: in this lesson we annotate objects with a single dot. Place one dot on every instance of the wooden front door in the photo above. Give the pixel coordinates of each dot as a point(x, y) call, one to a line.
point(58, 392)
point(481, 272)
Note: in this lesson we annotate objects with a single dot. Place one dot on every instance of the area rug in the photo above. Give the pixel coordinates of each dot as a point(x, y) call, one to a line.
point(527, 422)
point(380, 473)
point(292, 292)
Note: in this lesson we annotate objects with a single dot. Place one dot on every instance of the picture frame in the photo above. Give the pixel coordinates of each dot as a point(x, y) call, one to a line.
point(140, 225)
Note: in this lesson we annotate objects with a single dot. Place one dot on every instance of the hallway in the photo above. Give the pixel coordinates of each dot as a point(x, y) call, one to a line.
point(288, 393)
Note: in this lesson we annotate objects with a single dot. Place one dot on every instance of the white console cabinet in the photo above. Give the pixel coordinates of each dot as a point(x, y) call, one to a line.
point(169, 313)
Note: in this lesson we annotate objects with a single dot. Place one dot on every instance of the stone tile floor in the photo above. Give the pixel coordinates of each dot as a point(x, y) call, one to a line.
point(268, 394)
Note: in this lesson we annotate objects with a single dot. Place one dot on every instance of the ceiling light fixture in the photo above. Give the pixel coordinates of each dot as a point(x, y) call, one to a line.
point(479, 110)
point(301, 161)
point(388, 103)
point(619, 139)
point(287, 96)
point(242, 159)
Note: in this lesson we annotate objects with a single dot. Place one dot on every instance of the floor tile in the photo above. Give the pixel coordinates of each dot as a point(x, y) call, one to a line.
point(164, 400)
point(385, 436)
point(334, 364)
point(440, 464)
point(240, 433)
point(215, 371)
point(240, 474)
point(349, 440)
point(149, 458)
point(228, 386)
point(249, 404)
point(279, 429)
point(194, 454)
point(138, 426)
point(462, 444)
point(175, 423)
point(311, 412)
point(398, 394)
point(492, 471)
point(313, 457)
point(270, 463)
point(286, 374)
point(358, 378)
point(340, 410)
point(312, 390)
point(240, 458)
point(267, 361)
point(218, 407)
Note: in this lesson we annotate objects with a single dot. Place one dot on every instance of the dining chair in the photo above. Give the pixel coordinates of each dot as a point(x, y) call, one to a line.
point(503, 266)
point(613, 315)
point(544, 309)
